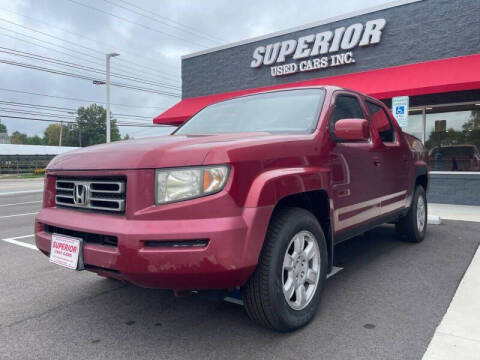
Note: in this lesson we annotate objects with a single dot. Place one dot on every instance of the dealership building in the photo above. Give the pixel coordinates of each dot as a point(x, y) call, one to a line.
point(421, 57)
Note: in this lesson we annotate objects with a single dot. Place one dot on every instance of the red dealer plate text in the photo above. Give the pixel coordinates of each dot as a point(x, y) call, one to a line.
point(64, 251)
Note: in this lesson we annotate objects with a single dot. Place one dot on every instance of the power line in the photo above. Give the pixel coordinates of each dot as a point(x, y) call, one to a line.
point(79, 100)
point(73, 122)
point(84, 77)
point(96, 41)
point(83, 67)
point(63, 109)
point(195, 31)
point(176, 25)
point(29, 55)
point(60, 116)
point(59, 51)
point(72, 43)
point(14, 103)
point(62, 52)
point(30, 112)
point(66, 48)
point(72, 115)
point(136, 23)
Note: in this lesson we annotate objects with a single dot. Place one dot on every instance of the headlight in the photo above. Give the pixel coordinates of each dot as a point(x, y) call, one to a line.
point(187, 183)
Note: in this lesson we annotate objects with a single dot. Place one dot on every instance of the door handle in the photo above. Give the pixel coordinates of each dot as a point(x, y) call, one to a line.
point(376, 162)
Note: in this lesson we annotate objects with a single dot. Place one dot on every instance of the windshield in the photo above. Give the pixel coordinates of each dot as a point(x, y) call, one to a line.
point(290, 111)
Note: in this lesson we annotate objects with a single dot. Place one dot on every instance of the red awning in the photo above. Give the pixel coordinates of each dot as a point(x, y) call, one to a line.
point(453, 74)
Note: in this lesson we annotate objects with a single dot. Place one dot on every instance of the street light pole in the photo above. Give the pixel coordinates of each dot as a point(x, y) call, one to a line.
point(108, 56)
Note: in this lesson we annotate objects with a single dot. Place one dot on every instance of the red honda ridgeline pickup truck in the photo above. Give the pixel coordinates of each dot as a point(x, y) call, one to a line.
point(252, 193)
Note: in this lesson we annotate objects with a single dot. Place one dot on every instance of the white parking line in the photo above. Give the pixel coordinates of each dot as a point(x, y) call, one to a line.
point(21, 243)
point(9, 216)
point(22, 203)
point(21, 192)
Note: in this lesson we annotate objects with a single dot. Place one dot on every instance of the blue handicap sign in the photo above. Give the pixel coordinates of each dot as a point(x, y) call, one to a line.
point(400, 110)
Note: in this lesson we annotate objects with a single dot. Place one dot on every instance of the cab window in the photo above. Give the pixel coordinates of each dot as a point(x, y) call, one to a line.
point(347, 107)
point(382, 122)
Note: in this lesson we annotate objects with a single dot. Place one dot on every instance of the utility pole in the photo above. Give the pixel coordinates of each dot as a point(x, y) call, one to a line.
point(61, 131)
point(108, 56)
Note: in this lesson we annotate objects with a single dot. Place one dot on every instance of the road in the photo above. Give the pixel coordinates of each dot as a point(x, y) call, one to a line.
point(20, 185)
point(384, 304)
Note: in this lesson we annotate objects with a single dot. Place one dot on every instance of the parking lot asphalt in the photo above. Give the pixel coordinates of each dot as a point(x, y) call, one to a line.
point(384, 304)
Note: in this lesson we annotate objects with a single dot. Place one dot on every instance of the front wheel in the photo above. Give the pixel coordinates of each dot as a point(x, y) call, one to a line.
point(284, 291)
point(413, 226)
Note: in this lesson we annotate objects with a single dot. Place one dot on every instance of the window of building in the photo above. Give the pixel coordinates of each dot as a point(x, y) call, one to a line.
point(347, 107)
point(451, 134)
point(415, 123)
point(382, 122)
point(453, 140)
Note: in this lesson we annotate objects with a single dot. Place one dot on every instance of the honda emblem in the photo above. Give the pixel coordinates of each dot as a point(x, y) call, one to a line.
point(80, 195)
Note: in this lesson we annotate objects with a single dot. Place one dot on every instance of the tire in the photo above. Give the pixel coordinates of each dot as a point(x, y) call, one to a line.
point(409, 227)
point(263, 294)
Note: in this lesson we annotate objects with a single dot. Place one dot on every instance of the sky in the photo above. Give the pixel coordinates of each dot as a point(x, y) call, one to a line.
point(73, 36)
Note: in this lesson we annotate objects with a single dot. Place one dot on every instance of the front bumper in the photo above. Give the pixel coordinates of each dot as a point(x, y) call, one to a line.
point(227, 261)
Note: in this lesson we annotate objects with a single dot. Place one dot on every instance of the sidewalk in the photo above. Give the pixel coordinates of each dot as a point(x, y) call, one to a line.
point(458, 335)
point(455, 212)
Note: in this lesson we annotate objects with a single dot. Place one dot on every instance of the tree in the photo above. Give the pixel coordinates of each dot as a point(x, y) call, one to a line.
point(18, 138)
point(3, 128)
point(472, 129)
point(474, 122)
point(127, 137)
point(35, 140)
point(51, 136)
point(90, 128)
point(470, 134)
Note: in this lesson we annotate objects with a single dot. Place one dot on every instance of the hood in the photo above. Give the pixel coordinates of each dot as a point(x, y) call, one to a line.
point(149, 153)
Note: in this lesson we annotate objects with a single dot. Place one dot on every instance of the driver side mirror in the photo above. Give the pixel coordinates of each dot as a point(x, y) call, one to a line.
point(351, 130)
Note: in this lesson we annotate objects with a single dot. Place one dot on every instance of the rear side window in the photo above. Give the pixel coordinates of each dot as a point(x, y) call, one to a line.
point(382, 122)
point(347, 107)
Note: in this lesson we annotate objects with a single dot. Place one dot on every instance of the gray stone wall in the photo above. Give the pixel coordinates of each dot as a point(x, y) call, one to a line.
point(416, 32)
point(458, 188)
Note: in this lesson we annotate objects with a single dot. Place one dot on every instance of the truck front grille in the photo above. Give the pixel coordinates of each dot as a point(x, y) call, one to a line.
point(94, 194)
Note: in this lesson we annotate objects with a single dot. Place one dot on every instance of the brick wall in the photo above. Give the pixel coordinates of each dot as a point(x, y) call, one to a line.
point(421, 31)
point(460, 188)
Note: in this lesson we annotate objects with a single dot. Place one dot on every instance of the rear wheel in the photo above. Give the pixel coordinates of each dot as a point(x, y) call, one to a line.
point(285, 290)
point(413, 226)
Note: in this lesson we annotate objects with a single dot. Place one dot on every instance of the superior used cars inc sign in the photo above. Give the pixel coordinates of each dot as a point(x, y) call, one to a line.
point(312, 52)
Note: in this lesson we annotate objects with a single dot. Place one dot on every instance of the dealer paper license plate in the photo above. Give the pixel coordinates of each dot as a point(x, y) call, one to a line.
point(65, 251)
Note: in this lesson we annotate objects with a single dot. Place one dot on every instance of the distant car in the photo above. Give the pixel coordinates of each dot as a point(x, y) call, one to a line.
point(454, 158)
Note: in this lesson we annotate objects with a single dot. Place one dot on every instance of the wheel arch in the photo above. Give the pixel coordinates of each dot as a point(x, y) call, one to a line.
point(421, 177)
point(316, 202)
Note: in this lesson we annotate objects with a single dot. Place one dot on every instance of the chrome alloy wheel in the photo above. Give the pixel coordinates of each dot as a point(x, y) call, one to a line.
point(420, 214)
point(301, 270)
